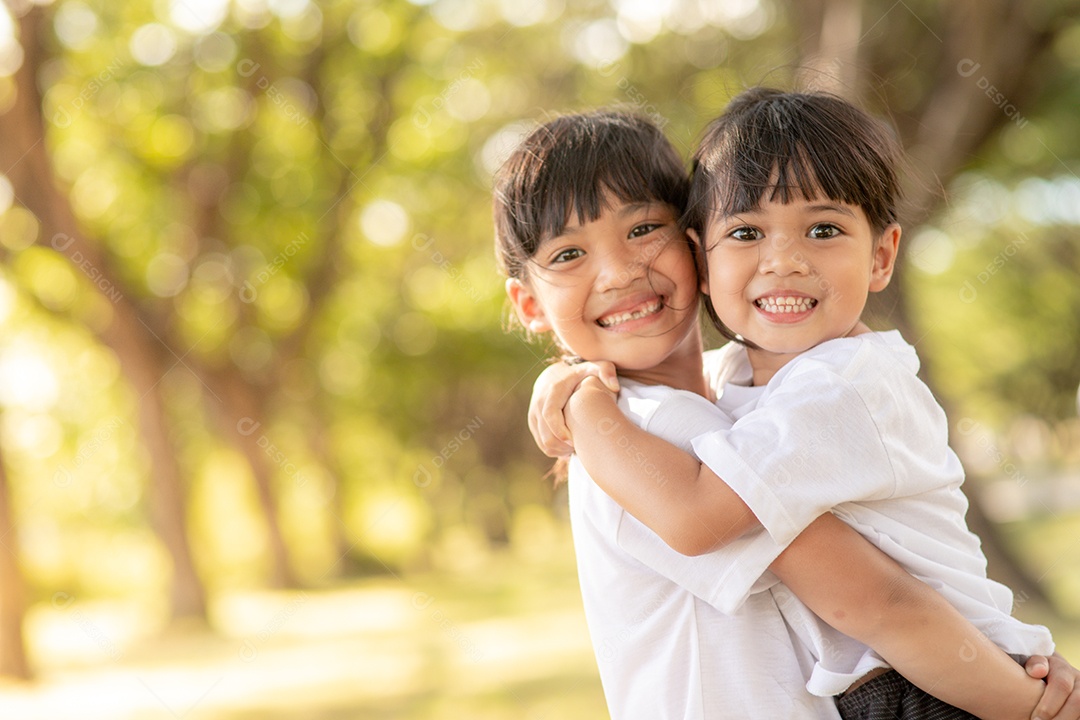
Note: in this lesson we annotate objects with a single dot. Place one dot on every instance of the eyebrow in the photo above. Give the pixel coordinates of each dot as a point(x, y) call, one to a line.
point(631, 208)
point(827, 207)
point(816, 207)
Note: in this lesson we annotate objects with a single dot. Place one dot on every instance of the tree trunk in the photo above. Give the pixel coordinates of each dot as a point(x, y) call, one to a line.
point(831, 33)
point(319, 440)
point(12, 589)
point(142, 356)
point(241, 415)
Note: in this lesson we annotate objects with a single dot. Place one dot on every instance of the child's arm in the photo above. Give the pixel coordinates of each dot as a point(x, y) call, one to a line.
point(863, 593)
point(667, 489)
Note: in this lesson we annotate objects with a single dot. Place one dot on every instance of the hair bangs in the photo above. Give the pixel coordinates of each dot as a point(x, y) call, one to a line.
point(572, 168)
point(589, 176)
point(781, 173)
point(780, 147)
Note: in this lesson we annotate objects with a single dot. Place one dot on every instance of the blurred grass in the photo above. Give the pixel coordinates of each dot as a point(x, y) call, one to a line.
point(501, 636)
point(491, 636)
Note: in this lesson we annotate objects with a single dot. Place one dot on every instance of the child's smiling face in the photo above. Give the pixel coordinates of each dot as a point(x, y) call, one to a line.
point(789, 276)
point(621, 288)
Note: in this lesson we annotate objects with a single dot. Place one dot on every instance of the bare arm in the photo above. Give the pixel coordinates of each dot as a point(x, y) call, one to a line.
point(863, 593)
point(667, 489)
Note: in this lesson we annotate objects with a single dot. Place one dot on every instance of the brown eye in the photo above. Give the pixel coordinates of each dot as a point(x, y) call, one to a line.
point(567, 255)
point(746, 234)
point(824, 231)
point(644, 229)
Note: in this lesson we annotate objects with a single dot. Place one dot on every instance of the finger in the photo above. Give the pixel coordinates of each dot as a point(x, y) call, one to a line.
point(563, 383)
point(1060, 686)
point(534, 427)
point(552, 445)
point(559, 449)
point(1037, 666)
point(608, 375)
point(547, 383)
point(555, 420)
point(1070, 710)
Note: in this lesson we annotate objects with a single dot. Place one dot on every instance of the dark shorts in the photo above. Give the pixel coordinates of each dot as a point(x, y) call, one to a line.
point(891, 697)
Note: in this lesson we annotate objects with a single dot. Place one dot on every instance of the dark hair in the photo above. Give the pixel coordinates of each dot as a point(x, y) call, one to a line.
point(568, 165)
point(787, 145)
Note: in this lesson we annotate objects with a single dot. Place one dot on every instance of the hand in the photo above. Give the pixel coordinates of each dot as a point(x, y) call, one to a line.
point(551, 392)
point(1061, 699)
point(592, 384)
point(589, 391)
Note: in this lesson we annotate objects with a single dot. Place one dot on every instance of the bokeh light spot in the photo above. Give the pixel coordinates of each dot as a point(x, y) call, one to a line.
point(384, 222)
point(152, 45)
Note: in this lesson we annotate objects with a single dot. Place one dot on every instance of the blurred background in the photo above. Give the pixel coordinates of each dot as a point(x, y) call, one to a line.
point(263, 449)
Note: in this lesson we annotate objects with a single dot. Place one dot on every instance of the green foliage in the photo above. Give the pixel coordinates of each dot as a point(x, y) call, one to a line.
point(298, 196)
point(997, 297)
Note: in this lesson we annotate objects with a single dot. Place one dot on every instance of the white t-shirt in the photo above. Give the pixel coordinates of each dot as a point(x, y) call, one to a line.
point(665, 653)
point(848, 427)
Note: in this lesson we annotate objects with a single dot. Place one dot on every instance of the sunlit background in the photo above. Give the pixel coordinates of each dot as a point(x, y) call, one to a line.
point(262, 424)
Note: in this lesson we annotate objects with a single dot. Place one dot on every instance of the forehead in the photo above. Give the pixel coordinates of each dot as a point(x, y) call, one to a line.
point(815, 204)
point(611, 209)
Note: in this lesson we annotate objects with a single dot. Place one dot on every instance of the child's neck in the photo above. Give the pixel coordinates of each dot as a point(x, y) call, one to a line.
point(682, 369)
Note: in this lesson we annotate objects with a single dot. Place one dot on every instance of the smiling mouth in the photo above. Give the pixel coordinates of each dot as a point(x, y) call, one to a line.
point(644, 310)
point(785, 304)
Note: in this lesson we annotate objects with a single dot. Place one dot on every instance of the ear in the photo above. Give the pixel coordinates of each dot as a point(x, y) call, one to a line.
point(527, 306)
point(885, 252)
point(700, 260)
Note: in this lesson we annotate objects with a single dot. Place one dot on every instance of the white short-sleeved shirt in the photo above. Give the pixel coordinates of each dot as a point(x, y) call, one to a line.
point(848, 427)
point(663, 651)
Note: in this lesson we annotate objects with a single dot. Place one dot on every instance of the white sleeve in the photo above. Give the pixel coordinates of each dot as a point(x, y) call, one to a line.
point(681, 417)
point(724, 577)
point(811, 444)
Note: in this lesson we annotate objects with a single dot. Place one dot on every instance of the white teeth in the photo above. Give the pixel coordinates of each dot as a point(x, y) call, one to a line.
point(610, 320)
point(785, 304)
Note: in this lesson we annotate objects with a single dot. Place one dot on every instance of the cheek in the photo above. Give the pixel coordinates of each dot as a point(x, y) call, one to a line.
point(677, 265)
point(688, 276)
point(726, 277)
point(857, 273)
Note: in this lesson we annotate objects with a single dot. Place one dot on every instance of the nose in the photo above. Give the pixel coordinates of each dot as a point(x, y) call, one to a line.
point(780, 255)
point(620, 266)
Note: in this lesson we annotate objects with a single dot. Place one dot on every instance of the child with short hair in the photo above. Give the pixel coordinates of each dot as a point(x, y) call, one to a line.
point(586, 217)
point(793, 204)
